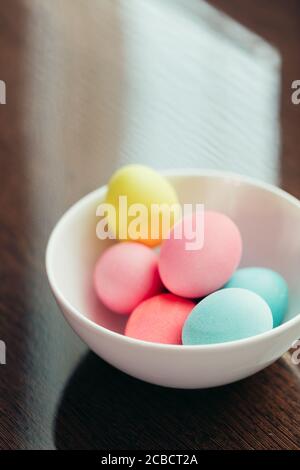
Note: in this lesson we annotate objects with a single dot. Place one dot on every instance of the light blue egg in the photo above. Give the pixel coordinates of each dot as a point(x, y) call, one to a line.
point(268, 284)
point(227, 315)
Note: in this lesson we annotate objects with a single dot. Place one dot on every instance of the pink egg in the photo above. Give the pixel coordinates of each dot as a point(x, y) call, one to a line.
point(159, 319)
point(197, 273)
point(125, 275)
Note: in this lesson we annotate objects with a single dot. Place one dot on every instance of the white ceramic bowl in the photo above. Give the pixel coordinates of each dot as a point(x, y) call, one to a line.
point(269, 220)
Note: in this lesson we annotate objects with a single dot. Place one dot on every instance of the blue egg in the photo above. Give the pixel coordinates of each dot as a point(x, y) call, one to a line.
point(227, 315)
point(266, 283)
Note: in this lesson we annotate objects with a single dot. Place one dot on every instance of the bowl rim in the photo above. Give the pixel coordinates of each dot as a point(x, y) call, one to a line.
point(184, 172)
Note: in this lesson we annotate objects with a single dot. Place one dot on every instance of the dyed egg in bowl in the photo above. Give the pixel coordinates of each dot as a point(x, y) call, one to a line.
point(269, 221)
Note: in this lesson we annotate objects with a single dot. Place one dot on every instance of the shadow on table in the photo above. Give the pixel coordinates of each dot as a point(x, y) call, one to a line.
point(102, 408)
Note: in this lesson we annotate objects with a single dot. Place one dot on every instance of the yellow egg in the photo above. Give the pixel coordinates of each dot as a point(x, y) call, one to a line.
point(145, 205)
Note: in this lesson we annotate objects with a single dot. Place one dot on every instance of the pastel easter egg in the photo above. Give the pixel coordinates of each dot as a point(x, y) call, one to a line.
point(267, 283)
point(141, 198)
point(159, 319)
point(227, 315)
point(197, 272)
point(125, 275)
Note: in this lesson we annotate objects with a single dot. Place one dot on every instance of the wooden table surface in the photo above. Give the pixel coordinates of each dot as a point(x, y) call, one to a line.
point(53, 392)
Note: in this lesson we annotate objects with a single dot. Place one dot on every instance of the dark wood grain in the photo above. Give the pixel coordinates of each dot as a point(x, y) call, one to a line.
point(53, 393)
